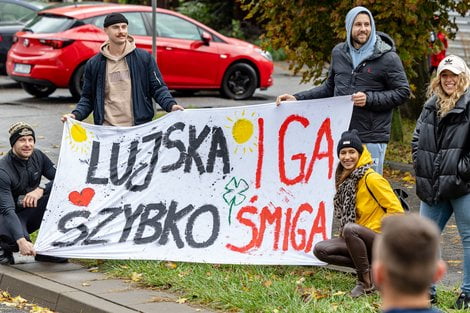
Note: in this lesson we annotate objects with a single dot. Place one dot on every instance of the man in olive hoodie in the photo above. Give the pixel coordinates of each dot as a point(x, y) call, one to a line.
point(367, 67)
point(121, 80)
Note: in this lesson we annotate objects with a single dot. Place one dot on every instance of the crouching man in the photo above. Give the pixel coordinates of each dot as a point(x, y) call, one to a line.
point(22, 199)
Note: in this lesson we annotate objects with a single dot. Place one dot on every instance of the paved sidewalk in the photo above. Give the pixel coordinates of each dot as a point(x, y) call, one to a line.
point(71, 288)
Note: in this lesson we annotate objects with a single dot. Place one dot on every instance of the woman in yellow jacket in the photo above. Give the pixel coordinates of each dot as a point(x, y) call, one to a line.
point(363, 198)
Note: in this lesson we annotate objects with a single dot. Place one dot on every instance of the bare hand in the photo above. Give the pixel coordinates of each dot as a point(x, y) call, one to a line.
point(26, 247)
point(359, 99)
point(176, 107)
point(31, 198)
point(285, 97)
point(66, 116)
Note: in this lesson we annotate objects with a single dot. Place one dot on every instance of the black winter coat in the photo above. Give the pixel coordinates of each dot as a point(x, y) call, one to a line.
point(381, 77)
point(441, 152)
point(146, 80)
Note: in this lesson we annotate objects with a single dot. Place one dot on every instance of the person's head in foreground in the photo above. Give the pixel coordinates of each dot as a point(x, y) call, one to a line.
point(407, 261)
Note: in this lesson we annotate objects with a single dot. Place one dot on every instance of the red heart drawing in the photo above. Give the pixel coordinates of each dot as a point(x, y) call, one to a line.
point(82, 198)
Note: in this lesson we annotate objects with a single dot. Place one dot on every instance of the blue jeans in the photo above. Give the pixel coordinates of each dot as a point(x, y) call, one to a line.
point(377, 150)
point(440, 213)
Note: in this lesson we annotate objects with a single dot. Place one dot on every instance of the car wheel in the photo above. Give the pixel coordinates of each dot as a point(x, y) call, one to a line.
point(240, 82)
point(38, 91)
point(76, 84)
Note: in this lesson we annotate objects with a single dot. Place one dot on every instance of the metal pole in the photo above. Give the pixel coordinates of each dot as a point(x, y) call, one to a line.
point(154, 29)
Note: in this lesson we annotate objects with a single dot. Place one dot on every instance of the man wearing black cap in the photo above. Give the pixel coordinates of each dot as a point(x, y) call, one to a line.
point(121, 80)
point(22, 200)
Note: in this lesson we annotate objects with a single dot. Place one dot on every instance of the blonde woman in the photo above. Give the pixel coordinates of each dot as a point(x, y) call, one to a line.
point(441, 157)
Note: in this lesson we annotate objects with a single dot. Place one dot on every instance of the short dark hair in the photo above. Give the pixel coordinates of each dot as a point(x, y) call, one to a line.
point(409, 250)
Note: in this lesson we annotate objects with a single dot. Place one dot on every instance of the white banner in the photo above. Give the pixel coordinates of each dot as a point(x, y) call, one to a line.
point(243, 185)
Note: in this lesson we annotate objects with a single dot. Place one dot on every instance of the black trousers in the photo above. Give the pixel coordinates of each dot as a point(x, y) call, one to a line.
point(30, 219)
point(353, 249)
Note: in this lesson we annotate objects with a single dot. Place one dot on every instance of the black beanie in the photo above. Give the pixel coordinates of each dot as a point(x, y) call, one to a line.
point(114, 18)
point(18, 130)
point(350, 139)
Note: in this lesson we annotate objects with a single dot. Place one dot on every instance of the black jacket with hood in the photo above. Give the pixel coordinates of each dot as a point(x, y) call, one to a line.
point(146, 81)
point(441, 152)
point(381, 77)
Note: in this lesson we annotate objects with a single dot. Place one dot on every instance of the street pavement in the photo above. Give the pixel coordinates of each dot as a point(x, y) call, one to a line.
point(72, 288)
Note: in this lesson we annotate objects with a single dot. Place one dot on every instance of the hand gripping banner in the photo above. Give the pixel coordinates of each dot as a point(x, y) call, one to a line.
point(242, 185)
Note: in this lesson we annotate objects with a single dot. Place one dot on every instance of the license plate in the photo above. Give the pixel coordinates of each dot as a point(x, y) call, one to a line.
point(22, 68)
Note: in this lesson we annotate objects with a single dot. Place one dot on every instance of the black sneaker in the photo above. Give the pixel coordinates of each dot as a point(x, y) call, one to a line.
point(433, 298)
point(463, 301)
point(6, 257)
point(49, 258)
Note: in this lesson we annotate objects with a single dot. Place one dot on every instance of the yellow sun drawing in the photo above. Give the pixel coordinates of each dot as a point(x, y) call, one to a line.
point(79, 139)
point(243, 130)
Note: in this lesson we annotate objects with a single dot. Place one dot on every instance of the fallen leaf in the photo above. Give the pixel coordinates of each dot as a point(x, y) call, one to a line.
point(160, 299)
point(339, 293)
point(171, 265)
point(181, 300)
point(136, 277)
point(300, 281)
point(267, 283)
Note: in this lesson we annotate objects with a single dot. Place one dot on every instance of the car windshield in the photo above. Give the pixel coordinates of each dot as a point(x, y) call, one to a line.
point(51, 24)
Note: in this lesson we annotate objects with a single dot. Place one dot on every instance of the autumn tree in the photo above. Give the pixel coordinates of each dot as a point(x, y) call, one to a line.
point(308, 30)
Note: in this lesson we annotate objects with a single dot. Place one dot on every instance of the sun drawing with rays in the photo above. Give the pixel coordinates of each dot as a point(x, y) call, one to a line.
point(243, 130)
point(79, 139)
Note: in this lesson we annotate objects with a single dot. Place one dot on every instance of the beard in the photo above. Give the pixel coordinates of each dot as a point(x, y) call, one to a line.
point(356, 41)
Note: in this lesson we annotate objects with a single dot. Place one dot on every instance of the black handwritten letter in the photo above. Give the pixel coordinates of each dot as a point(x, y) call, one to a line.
point(178, 144)
point(113, 166)
point(215, 226)
point(130, 218)
point(150, 222)
point(113, 213)
point(170, 224)
point(62, 227)
point(157, 137)
point(95, 157)
point(218, 149)
point(194, 143)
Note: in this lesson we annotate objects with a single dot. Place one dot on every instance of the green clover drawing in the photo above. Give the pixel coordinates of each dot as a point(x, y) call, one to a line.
point(235, 194)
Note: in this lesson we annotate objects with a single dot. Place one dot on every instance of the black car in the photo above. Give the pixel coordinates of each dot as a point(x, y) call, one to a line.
point(14, 14)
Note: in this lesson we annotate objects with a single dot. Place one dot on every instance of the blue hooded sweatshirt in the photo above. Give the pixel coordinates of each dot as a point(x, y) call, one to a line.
point(359, 55)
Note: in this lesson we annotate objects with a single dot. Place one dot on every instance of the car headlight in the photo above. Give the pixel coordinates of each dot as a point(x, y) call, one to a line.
point(265, 54)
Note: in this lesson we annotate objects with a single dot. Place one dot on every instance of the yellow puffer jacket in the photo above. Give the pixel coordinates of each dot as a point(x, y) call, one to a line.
point(368, 212)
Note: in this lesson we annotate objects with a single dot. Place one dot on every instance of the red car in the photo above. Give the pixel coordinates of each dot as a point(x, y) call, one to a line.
point(51, 51)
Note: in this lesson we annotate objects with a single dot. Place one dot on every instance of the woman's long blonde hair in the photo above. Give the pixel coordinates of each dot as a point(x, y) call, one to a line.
point(445, 103)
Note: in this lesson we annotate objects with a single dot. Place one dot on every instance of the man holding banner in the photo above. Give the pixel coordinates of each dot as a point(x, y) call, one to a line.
point(22, 200)
point(367, 67)
point(121, 80)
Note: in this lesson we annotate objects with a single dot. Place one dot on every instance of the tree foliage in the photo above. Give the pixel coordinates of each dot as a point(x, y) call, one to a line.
point(309, 29)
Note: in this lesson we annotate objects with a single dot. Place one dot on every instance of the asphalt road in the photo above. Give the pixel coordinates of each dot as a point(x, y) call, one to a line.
point(44, 114)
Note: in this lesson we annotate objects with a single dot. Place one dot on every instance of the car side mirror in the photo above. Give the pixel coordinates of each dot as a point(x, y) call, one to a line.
point(206, 38)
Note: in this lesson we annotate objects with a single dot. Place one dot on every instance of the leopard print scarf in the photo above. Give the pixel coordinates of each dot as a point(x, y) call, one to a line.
point(345, 197)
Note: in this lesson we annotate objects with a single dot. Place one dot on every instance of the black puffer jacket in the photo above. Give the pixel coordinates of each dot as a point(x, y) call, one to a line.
point(381, 77)
point(441, 152)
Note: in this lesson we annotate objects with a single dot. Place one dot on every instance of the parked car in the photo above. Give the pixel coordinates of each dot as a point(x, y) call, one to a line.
point(14, 14)
point(53, 48)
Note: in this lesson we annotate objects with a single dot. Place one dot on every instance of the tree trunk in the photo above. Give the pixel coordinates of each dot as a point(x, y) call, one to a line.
point(413, 107)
